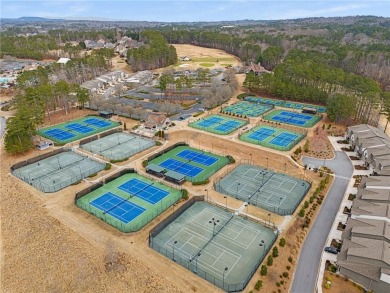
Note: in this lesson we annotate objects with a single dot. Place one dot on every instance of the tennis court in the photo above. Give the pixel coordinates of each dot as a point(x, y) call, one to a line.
point(247, 109)
point(196, 165)
point(129, 202)
point(76, 129)
point(218, 124)
point(218, 246)
point(272, 137)
point(286, 104)
point(118, 146)
point(58, 171)
point(297, 119)
point(275, 192)
point(117, 207)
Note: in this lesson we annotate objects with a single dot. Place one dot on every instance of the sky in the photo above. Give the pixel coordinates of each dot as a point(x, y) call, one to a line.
point(191, 10)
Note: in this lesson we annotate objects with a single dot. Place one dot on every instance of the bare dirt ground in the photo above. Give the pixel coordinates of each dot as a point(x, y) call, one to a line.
point(339, 284)
point(382, 123)
point(204, 57)
point(120, 64)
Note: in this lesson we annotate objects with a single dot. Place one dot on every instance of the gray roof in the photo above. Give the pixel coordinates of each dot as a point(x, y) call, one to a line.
point(374, 195)
point(379, 151)
point(373, 142)
point(372, 181)
point(155, 168)
point(370, 248)
point(366, 208)
point(175, 175)
point(367, 228)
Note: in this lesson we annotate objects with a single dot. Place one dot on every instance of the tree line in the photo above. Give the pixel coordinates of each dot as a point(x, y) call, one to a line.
point(156, 53)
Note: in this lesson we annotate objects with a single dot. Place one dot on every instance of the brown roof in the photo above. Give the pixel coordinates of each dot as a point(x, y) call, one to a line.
point(155, 119)
point(257, 68)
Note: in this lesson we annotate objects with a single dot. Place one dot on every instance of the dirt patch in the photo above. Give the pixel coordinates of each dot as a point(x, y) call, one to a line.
point(339, 284)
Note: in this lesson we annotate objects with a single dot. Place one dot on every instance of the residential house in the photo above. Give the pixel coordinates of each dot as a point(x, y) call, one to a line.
point(63, 61)
point(257, 69)
point(156, 121)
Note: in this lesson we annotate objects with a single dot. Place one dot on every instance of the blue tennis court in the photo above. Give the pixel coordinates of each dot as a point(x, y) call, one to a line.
point(145, 191)
point(261, 134)
point(59, 134)
point(197, 157)
point(180, 167)
point(210, 121)
point(97, 122)
point(79, 128)
point(117, 207)
point(228, 126)
point(284, 139)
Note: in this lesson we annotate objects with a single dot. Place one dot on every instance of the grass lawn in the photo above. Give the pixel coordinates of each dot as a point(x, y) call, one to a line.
point(213, 59)
point(206, 64)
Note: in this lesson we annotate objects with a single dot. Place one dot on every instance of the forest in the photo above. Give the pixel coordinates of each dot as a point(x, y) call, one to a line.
point(156, 53)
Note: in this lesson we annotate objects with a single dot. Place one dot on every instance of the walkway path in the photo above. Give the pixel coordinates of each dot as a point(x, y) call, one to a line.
point(308, 264)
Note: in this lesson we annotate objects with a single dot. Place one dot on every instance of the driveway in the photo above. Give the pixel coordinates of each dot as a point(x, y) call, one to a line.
point(305, 277)
point(2, 126)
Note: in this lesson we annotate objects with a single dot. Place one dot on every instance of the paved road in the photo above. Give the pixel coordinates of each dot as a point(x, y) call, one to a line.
point(2, 126)
point(306, 273)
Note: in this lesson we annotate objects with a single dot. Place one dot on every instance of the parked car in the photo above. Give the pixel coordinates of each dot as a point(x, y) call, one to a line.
point(331, 249)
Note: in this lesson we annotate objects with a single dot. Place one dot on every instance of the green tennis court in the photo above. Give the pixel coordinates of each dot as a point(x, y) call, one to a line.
point(218, 246)
point(58, 171)
point(286, 104)
point(272, 137)
point(196, 165)
point(247, 109)
point(76, 129)
point(118, 146)
point(275, 192)
point(293, 118)
point(218, 124)
point(129, 202)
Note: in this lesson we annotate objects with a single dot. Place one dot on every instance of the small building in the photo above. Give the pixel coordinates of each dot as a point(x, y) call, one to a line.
point(309, 110)
point(155, 170)
point(43, 144)
point(175, 177)
point(184, 58)
point(63, 61)
point(105, 114)
point(257, 69)
point(156, 121)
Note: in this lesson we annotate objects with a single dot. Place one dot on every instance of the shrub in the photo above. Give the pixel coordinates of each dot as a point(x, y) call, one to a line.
point(124, 126)
point(277, 284)
point(301, 213)
point(145, 163)
point(92, 175)
point(282, 282)
point(282, 242)
point(288, 268)
point(197, 114)
point(329, 278)
point(173, 124)
point(329, 126)
point(306, 204)
point(118, 161)
point(201, 182)
point(323, 126)
point(327, 286)
point(158, 143)
point(285, 274)
point(290, 259)
point(270, 261)
point(275, 252)
point(135, 127)
point(258, 285)
point(263, 270)
point(107, 167)
point(184, 194)
point(306, 147)
point(231, 159)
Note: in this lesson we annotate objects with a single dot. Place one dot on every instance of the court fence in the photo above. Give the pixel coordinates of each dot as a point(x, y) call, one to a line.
point(38, 158)
point(165, 150)
point(133, 226)
point(268, 107)
point(253, 201)
point(245, 137)
point(308, 124)
point(54, 187)
point(186, 262)
point(211, 129)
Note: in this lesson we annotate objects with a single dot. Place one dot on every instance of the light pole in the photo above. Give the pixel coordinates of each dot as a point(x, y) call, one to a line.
point(173, 249)
point(251, 158)
point(269, 219)
point(267, 162)
point(207, 196)
point(214, 222)
point(246, 205)
point(262, 244)
point(196, 263)
point(223, 277)
point(173, 207)
point(225, 197)
point(238, 184)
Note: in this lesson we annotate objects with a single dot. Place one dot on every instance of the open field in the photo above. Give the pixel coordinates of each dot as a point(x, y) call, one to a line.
point(204, 57)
